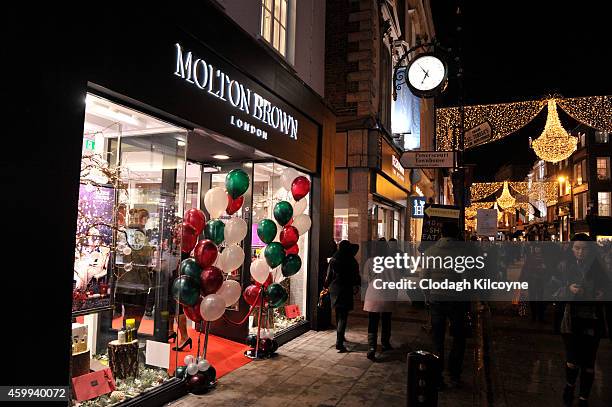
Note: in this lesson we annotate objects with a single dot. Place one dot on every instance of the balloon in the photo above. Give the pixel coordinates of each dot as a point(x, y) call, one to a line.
point(211, 373)
point(186, 290)
point(300, 187)
point(203, 365)
point(236, 182)
point(211, 280)
point(230, 292)
point(189, 359)
point(180, 371)
point(192, 369)
point(198, 383)
point(260, 270)
point(283, 212)
point(265, 283)
point(299, 206)
point(215, 201)
point(235, 230)
point(250, 294)
point(274, 254)
point(193, 313)
point(195, 218)
point(302, 223)
point(277, 295)
point(265, 345)
point(274, 345)
point(287, 177)
point(190, 268)
point(214, 231)
point(251, 340)
point(127, 250)
point(232, 258)
point(266, 230)
point(289, 236)
point(292, 250)
point(291, 265)
point(205, 253)
point(233, 204)
point(189, 237)
point(212, 307)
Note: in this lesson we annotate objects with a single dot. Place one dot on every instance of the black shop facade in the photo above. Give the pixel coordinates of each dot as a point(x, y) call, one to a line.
point(158, 115)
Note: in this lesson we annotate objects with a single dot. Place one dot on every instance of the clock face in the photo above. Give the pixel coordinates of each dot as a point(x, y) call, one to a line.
point(426, 73)
point(137, 239)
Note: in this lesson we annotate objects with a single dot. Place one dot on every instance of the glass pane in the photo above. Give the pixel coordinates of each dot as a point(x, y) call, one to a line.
point(267, 26)
point(283, 17)
point(276, 42)
point(277, 9)
point(283, 34)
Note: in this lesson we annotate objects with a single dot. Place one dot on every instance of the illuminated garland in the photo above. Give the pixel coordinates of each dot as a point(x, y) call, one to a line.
point(554, 144)
point(594, 111)
point(545, 191)
point(506, 200)
point(481, 190)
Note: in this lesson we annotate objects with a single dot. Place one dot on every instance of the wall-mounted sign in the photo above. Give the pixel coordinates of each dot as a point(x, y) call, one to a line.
point(486, 222)
point(391, 165)
point(478, 135)
point(435, 217)
point(417, 207)
point(428, 159)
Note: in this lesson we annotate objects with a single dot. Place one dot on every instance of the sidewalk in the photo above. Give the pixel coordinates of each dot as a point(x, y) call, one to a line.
point(309, 371)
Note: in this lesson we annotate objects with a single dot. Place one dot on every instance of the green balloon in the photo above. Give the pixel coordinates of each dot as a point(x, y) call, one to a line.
point(274, 254)
point(181, 371)
point(186, 290)
point(277, 295)
point(190, 268)
point(291, 265)
point(283, 211)
point(266, 230)
point(236, 183)
point(215, 230)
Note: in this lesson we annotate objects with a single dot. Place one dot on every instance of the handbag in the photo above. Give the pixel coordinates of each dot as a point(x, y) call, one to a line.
point(92, 385)
point(323, 296)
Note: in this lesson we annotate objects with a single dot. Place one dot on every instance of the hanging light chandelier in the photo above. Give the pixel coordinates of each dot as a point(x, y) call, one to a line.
point(554, 144)
point(506, 200)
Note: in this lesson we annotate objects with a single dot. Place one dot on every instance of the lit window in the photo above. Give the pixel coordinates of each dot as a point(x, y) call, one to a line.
point(602, 137)
point(274, 24)
point(603, 203)
point(580, 173)
point(603, 168)
point(580, 206)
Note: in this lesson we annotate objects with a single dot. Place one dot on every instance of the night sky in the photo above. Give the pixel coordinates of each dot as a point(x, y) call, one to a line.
point(522, 50)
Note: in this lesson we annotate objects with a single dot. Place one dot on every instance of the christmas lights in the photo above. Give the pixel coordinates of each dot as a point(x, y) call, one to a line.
point(506, 200)
point(554, 144)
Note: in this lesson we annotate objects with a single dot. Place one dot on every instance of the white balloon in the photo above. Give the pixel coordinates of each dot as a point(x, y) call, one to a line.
point(302, 223)
point(299, 207)
point(287, 177)
point(235, 230)
point(212, 307)
point(192, 369)
point(230, 291)
point(260, 270)
point(232, 258)
point(279, 229)
point(203, 365)
point(189, 359)
point(215, 201)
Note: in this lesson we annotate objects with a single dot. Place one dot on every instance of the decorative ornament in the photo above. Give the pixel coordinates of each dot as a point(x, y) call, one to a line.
point(287, 177)
point(205, 253)
point(212, 307)
point(180, 372)
point(554, 144)
point(230, 292)
point(277, 295)
point(302, 223)
point(506, 200)
point(190, 268)
point(233, 204)
point(186, 290)
point(236, 183)
point(260, 270)
point(292, 250)
point(235, 230)
point(215, 201)
point(299, 206)
point(189, 237)
point(283, 212)
point(291, 265)
point(250, 294)
point(289, 236)
point(300, 187)
point(192, 369)
point(211, 280)
point(203, 365)
point(231, 258)
point(274, 254)
point(266, 230)
point(214, 231)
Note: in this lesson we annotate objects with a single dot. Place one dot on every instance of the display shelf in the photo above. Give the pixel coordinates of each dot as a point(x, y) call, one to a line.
point(91, 311)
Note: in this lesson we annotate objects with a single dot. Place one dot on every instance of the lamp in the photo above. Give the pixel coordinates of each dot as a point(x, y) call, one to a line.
point(506, 200)
point(554, 144)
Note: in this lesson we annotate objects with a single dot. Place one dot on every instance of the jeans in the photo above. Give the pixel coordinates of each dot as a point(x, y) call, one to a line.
point(341, 318)
point(455, 313)
point(385, 335)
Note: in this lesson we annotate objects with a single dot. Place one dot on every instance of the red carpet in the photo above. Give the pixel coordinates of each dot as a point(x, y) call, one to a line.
point(223, 354)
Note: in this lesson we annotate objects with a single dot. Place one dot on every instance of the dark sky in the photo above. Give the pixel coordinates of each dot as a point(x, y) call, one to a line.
point(520, 50)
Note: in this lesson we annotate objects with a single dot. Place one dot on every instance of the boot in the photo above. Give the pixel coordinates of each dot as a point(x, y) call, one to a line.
point(371, 347)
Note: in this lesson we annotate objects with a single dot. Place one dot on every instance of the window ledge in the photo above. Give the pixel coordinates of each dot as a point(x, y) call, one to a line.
point(274, 53)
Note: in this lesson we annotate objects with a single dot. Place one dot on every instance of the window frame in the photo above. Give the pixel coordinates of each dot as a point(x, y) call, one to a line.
point(271, 32)
point(606, 176)
point(608, 196)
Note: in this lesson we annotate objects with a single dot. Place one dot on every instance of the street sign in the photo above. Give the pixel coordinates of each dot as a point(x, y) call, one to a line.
point(442, 211)
point(486, 222)
point(435, 216)
point(428, 159)
point(417, 205)
point(478, 135)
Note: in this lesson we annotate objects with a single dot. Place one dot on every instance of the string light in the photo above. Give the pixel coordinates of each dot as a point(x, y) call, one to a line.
point(594, 111)
point(481, 190)
point(506, 200)
point(554, 144)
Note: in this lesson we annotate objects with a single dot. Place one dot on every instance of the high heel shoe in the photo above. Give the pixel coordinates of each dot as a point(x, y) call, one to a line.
point(172, 336)
point(180, 348)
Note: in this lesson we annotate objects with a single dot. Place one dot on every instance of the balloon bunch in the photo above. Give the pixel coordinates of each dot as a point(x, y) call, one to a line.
point(199, 374)
point(281, 237)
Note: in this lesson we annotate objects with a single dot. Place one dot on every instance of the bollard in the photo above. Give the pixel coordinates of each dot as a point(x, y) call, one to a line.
point(422, 380)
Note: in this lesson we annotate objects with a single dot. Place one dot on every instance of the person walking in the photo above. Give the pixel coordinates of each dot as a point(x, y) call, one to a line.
point(379, 304)
point(343, 283)
point(583, 321)
point(324, 306)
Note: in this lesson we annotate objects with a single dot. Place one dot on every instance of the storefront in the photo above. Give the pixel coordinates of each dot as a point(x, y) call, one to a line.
point(166, 111)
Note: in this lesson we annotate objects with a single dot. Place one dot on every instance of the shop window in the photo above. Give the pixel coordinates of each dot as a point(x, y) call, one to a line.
point(127, 248)
point(603, 203)
point(603, 168)
point(580, 206)
point(602, 137)
point(274, 24)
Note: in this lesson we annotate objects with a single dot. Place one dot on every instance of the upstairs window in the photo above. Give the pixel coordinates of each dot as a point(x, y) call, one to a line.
point(603, 168)
point(603, 203)
point(602, 137)
point(274, 24)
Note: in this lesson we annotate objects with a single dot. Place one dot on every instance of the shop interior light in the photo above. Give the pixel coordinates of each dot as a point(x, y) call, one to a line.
point(180, 143)
point(221, 157)
point(105, 112)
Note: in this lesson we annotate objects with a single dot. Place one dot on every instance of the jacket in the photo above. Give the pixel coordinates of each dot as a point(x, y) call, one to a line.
point(342, 276)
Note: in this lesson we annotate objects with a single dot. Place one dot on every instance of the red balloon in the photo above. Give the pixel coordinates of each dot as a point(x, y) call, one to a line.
point(292, 250)
point(289, 236)
point(234, 204)
point(193, 313)
point(205, 253)
point(195, 218)
point(250, 294)
point(189, 237)
point(211, 280)
point(300, 187)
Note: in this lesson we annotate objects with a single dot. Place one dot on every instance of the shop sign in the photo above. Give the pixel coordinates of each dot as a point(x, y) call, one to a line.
point(217, 84)
point(435, 217)
point(391, 165)
point(486, 224)
point(428, 159)
point(417, 206)
point(480, 134)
